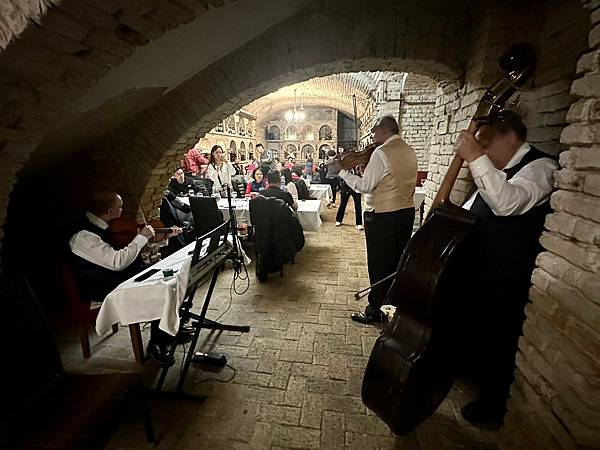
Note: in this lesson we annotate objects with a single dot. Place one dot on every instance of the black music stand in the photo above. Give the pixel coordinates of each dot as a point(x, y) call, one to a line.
point(209, 255)
point(207, 216)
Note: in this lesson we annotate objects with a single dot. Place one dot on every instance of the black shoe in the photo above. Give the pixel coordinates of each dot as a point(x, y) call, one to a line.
point(479, 412)
point(160, 354)
point(361, 317)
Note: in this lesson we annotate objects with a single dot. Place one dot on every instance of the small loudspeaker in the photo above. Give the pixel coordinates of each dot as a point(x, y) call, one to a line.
point(210, 358)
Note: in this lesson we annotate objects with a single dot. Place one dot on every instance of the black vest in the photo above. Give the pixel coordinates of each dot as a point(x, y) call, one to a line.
point(508, 245)
point(94, 282)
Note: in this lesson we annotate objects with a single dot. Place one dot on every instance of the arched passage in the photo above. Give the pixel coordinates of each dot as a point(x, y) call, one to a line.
point(161, 132)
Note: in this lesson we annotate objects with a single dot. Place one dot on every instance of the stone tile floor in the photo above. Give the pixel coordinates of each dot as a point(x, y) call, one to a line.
point(295, 379)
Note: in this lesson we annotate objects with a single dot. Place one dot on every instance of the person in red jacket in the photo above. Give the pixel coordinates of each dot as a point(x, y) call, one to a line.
point(193, 161)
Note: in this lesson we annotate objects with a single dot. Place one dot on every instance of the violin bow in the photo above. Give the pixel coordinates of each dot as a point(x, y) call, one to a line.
point(143, 215)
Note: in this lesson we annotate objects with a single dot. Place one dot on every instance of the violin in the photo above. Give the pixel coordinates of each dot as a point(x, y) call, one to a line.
point(123, 229)
point(350, 160)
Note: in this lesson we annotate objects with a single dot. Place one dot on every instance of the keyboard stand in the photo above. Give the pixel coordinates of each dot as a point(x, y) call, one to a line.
point(201, 322)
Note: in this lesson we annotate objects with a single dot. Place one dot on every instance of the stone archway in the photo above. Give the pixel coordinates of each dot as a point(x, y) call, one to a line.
point(171, 122)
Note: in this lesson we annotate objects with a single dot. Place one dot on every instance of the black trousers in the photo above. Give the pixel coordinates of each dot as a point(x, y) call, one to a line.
point(335, 184)
point(498, 316)
point(159, 336)
point(387, 235)
point(344, 202)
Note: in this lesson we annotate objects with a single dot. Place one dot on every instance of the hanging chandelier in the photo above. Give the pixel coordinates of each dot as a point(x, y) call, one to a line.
point(297, 114)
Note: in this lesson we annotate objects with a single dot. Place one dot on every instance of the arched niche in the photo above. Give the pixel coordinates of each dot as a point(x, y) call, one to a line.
point(274, 133)
point(325, 133)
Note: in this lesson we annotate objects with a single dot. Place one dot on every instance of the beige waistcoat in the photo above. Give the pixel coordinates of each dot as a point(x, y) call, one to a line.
point(396, 190)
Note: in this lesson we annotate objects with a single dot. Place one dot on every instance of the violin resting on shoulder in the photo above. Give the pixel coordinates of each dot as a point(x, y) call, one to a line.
point(123, 230)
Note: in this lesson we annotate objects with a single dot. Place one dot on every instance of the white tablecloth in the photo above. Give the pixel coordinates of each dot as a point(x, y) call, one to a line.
point(320, 191)
point(151, 299)
point(308, 214)
point(308, 211)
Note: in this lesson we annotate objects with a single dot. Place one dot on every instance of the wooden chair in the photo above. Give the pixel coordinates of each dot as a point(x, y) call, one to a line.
point(45, 408)
point(83, 312)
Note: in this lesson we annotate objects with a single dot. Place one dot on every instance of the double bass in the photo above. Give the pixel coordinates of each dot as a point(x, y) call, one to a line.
point(415, 360)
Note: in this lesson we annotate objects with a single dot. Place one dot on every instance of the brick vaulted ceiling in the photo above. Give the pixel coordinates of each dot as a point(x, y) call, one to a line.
point(333, 91)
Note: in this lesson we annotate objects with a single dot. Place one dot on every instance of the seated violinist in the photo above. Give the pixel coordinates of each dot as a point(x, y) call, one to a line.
point(99, 267)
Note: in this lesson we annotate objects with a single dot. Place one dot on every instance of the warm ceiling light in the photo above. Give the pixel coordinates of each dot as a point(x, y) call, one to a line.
point(296, 115)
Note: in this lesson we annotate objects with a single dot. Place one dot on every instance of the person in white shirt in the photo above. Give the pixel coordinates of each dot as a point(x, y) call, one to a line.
point(219, 170)
point(390, 176)
point(291, 177)
point(514, 181)
point(99, 267)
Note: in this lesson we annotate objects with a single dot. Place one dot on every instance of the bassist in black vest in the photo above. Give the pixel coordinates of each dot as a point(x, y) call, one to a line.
point(514, 181)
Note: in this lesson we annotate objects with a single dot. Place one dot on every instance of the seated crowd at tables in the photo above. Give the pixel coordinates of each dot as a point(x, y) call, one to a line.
point(209, 174)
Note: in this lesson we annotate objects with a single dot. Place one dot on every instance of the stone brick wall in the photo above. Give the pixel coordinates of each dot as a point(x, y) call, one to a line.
point(555, 399)
point(417, 115)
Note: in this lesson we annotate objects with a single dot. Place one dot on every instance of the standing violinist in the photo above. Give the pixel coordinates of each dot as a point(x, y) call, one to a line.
point(99, 268)
point(514, 181)
point(389, 178)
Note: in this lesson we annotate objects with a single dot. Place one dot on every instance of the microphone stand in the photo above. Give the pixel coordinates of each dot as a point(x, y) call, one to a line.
point(234, 230)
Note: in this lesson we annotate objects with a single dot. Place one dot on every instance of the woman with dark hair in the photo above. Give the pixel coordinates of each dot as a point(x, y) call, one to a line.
point(219, 171)
point(290, 185)
point(258, 182)
point(287, 175)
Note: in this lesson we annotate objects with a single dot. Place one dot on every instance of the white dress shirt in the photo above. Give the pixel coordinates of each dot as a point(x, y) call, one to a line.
point(529, 187)
point(220, 175)
point(375, 171)
point(92, 248)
